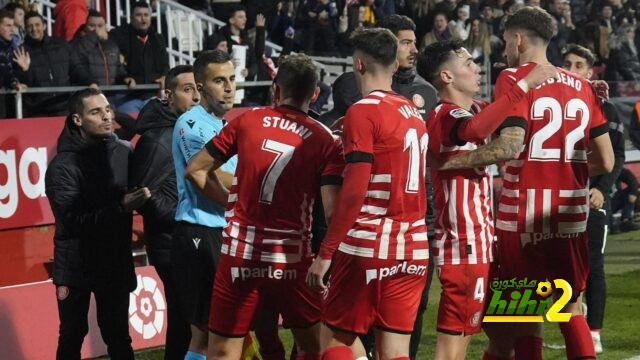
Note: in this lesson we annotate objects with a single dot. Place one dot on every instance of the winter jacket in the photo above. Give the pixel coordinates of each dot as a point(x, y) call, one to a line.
point(152, 166)
point(8, 69)
point(605, 182)
point(145, 62)
point(96, 62)
point(69, 15)
point(623, 64)
point(85, 184)
point(49, 67)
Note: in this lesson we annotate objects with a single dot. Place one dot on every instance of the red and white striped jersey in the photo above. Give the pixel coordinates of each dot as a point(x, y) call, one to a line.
point(546, 188)
point(387, 130)
point(284, 157)
point(464, 221)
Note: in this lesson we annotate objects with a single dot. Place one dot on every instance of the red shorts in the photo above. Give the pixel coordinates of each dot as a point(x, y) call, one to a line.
point(544, 257)
point(241, 286)
point(462, 299)
point(366, 292)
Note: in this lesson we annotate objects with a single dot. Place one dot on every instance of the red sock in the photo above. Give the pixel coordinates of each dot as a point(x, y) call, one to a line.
point(337, 353)
point(528, 348)
point(487, 356)
point(401, 358)
point(577, 338)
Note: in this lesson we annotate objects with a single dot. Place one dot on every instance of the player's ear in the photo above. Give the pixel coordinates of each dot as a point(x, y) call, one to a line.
point(76, 119)
point(446, 77)
point(396, 65)
point(589, 73)
point(316, 93)
point(360, 66)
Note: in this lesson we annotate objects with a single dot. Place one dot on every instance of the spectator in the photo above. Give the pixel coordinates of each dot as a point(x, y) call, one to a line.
point(86, 184)
point(69, 15)
point(624, 200)
point(152, 166)
point(217, 41)
point(606, 18)
point(319, 33)
point(623, 61)
point(43, 62)
point(281, 22)
point(236, 35)
point(441, 31)
point(478, 42)
point(557, 43)
point(492, 23)
point(8, 67)
point(421, 15)
point(96, 57)
point(461, 24)
point(145, 55)
point(18, 21)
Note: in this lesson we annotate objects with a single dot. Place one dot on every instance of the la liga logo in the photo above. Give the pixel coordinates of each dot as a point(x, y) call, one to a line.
point(526, 301)
point(147, 308)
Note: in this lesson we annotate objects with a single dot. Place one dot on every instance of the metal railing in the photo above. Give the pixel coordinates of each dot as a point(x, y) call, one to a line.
point(111, 88)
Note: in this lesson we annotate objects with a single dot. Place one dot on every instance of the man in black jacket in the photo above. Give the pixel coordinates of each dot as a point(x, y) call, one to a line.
point(45, 63)
point(96, 58)
point(86, 184)
point(580, 60)
point(409, 84)
point(145, 55)
point(152, 166)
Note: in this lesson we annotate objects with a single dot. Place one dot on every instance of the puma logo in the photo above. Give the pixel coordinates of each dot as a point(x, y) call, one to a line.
point(196, 242)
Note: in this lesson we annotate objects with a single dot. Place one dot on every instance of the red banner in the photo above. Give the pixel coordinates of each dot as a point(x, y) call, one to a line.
point(29, 321)
point(26, 147)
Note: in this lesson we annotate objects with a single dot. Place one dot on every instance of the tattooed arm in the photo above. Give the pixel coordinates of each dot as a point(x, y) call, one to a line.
point(506, 147)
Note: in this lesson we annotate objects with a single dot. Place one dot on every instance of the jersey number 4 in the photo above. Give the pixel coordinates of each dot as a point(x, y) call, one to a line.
point(283, 153)
point(537, 151)
point(417, 158)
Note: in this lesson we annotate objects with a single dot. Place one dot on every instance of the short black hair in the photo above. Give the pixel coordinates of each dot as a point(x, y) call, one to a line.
point(93, 13)
point(234, 9)
point(171, 80)
point(31, 14)
point(140, 4)
point(297, 77)
point(443, 13)
point(580, 51)
point(397, 23)
point(208, 57)
point(75, 104)
point(6, 14)
point(535, 21)
point(11, 7)
point(431, 59)
point(379, 45)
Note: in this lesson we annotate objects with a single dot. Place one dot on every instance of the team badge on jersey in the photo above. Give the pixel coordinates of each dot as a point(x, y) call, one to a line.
point(418, 100)
point(460, 113)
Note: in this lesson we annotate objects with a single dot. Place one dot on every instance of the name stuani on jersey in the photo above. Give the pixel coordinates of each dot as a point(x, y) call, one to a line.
point(287, 125)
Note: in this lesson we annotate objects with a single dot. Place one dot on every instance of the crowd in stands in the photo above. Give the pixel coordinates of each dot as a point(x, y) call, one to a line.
point(82, 51)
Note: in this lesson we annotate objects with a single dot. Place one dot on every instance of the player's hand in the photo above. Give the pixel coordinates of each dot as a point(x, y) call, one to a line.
point(135, 199)
point(316, 273)
point(601, 88)
point(596, 199)
point(540, 74)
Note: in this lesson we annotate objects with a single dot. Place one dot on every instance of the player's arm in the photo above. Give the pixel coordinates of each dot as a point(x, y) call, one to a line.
point(331, 179)
point(201, 171)
point(600, 157)
point(204, 169)
point(505, 147)
point(358, 134)
point(490, 118)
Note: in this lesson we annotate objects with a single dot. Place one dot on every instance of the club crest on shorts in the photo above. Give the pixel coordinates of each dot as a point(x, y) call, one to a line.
point(418, 100)
point(475, 319)
point(196, 242)
point(62, 292)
